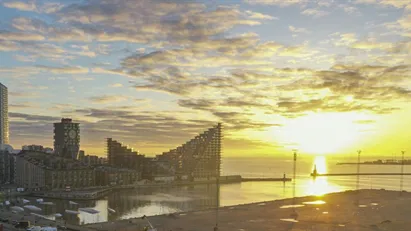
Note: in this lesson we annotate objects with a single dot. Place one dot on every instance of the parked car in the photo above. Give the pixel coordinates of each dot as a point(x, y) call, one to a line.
point(22, 225)
point(61, 227)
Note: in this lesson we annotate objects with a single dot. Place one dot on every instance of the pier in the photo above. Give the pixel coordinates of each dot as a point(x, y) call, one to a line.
point(265, 179)
point(359, 174)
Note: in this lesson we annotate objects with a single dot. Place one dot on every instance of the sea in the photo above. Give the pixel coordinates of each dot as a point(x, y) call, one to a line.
point(140, 202)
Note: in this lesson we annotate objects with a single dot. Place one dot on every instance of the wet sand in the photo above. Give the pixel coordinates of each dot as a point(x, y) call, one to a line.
point(377, 210)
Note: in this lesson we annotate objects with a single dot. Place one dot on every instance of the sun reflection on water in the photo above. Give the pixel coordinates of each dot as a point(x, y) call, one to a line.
point(320, 186)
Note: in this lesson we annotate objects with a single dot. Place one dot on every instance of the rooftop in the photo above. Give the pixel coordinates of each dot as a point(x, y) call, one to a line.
point(51, 161)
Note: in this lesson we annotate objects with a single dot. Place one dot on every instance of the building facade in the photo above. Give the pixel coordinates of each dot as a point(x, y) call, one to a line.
point(199, 158)
point(122, 156)
point(30, 173)
point(67, 138)
point(43, 171)
point(76, 178)
point(111, 176)
point(4, 116)
point(38, 148)
point(7, 165)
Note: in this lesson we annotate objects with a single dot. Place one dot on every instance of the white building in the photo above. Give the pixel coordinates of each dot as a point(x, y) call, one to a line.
point(4, 118)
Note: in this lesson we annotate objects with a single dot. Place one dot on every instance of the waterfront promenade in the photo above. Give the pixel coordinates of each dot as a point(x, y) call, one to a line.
point(98, 192)
point(377, 210)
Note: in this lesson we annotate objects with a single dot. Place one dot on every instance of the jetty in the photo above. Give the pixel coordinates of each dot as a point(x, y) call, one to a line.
point(284, 179)
point(360, 174)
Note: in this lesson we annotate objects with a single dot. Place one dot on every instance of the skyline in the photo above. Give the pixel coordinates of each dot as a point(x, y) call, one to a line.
point(324, 77)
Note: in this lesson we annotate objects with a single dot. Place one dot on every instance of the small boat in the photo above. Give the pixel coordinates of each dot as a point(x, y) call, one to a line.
point(73, 203)
point(47, 203)
point(39, 215)
point(40, 200)
point(58, 215)
point(111, 210)
point(32, 208)
point(17, 209)
point(89, 210)
point(72, 211)
point(25, 201)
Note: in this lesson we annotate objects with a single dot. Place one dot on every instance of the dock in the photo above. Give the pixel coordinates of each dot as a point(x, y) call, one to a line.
point(359, 174)
point(265, 179)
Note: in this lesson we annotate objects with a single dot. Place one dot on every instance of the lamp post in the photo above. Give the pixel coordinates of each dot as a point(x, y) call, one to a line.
point(294, 214)
point(358, 177)
point(358, 169)
point(402, 171)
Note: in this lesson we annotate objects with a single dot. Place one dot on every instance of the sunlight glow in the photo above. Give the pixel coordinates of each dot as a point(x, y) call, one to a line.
point(320, 186)
point(349, 98)
point(321, 164)
point(322, 133)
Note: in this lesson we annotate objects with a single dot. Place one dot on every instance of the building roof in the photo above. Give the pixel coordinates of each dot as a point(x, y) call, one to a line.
point(51, 161)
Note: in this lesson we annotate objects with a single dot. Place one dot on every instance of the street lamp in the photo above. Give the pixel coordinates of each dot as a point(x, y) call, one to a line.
point(294, 214)
point(402, 171)
point(358, 169)
point(358, 178)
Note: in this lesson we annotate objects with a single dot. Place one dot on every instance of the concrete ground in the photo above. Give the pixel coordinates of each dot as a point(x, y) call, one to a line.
point(377, 210)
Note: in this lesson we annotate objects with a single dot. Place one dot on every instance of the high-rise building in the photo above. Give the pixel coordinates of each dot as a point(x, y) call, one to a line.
point(67, 138)
point(122, 156)
point(4, 116)
point(199, 158)
point(7, 160)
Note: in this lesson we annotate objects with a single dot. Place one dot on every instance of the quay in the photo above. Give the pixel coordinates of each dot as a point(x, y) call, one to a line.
point(359, 174)
point(284, 179)
point(96, 193)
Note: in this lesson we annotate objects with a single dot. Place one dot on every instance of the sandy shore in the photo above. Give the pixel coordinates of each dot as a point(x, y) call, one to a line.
point(377, 210)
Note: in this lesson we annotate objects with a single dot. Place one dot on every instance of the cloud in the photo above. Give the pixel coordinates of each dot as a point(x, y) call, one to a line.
point(153, 22)
point(20, 106)
point(388, 3)
point(64, 70)
point(277, 2)
point(8, 45)
point(256, 15)
point(108, 99)
point(316, 13)
point(19, 36)
point(298, 30)
point(115, 85)
point(364, 121)
point(349, 9)
point(23, 6)
point(371, 45)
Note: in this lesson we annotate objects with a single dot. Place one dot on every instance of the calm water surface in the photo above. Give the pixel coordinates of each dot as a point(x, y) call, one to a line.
point(136, 203)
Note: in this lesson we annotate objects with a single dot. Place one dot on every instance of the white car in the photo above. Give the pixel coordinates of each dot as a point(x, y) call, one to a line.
point(34, 228)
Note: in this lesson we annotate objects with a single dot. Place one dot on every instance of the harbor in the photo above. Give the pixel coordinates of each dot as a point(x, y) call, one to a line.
point(336, 211)
point(362, 210)
point(96, 193)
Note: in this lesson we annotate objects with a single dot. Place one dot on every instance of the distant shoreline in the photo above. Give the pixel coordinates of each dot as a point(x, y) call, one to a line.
point(372, 163)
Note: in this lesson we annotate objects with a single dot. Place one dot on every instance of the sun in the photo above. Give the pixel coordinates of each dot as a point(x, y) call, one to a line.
point(321, 133)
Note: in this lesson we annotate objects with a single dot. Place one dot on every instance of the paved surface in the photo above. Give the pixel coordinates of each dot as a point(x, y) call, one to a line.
point(378, 210)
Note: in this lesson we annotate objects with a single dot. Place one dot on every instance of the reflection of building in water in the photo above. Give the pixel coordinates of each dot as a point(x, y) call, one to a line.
point(199, 158)
point(180, 199)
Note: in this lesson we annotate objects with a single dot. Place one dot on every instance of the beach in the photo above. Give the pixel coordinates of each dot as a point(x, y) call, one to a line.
point(376, 210)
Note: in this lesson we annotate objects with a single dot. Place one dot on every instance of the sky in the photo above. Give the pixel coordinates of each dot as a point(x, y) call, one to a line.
point(324, 77)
